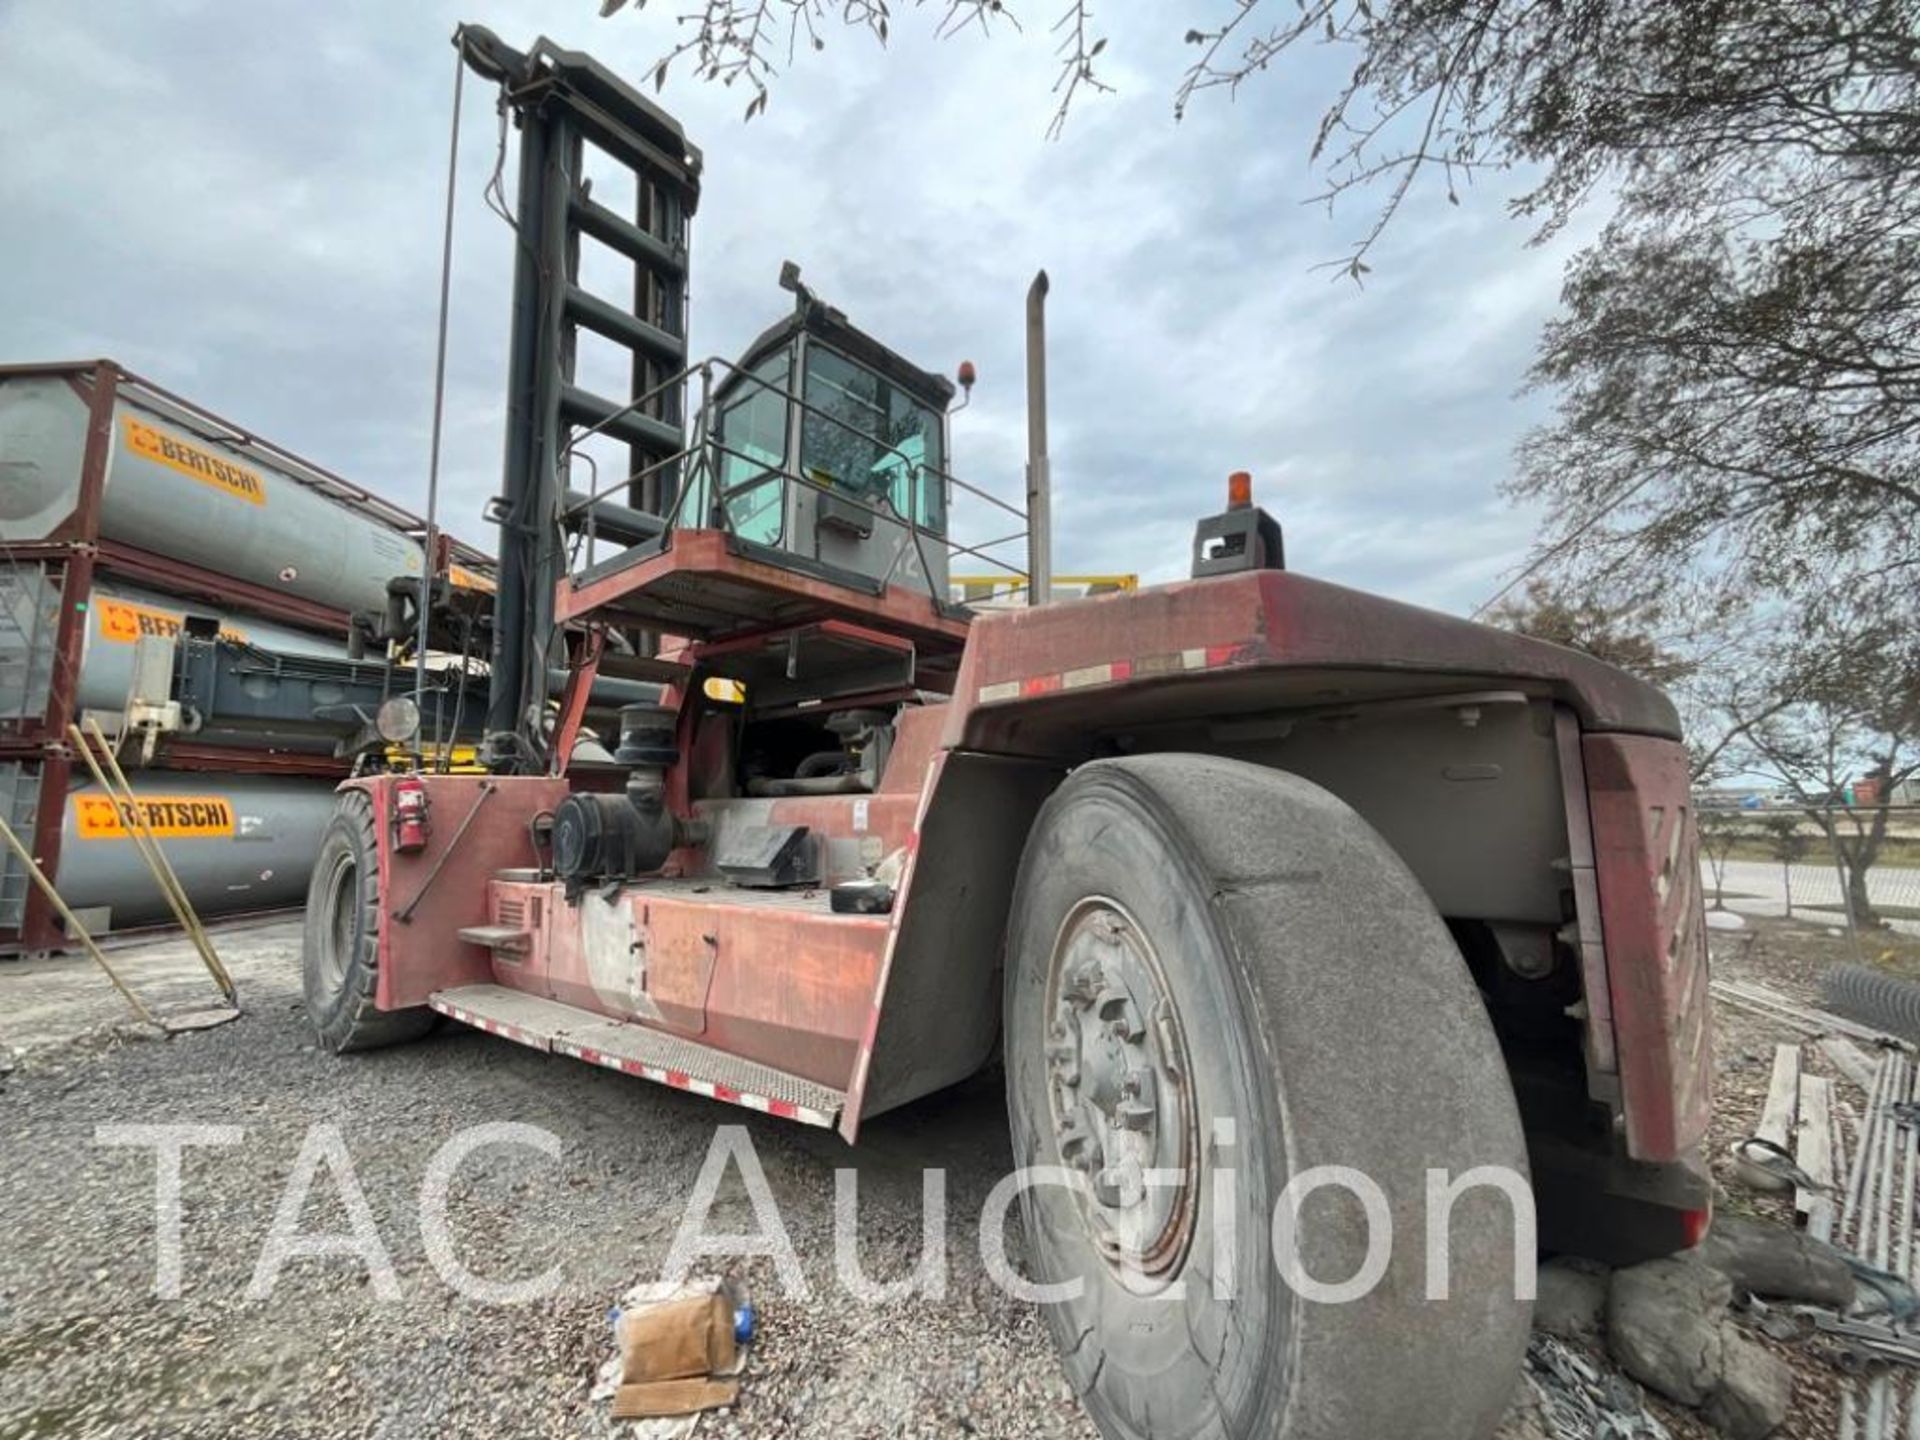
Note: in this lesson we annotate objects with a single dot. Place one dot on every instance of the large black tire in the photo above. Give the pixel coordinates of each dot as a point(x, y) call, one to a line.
point(340, 955)
point(1321, 1006)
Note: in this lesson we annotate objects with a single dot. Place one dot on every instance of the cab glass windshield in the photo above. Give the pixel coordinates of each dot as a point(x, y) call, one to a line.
point(868, 437)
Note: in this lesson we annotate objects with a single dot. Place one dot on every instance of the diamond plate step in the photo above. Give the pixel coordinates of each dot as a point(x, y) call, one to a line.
point(684, 1064)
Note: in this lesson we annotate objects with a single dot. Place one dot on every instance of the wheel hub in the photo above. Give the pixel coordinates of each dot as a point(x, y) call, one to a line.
point(1118, 1085)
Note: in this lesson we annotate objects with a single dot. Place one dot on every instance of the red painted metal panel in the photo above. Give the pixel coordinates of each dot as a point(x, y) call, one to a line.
point(1080, 653)
point(573, 704)
point(863, 1060)
point(784, 985)
point(916, 734)
point(897, 610)
point(791, 988)
point(424, 954)
point(1646, 856)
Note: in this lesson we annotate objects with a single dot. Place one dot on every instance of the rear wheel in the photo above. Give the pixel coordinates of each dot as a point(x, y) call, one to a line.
point(340, 955)
point(1219, 979)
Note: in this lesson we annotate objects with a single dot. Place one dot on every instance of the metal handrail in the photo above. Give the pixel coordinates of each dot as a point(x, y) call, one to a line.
point(698, 454)
point(704, 369)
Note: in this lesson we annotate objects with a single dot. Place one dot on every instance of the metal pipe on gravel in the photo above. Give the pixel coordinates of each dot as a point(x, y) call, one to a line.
point(1883, 1211)
point(1905, 1265)
point(1863, 1153)
point(1876, 1226)
point(1826, 1215)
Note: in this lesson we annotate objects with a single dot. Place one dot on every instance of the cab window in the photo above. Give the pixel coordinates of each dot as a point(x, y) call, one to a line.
point(866, 436)
point(753, 436)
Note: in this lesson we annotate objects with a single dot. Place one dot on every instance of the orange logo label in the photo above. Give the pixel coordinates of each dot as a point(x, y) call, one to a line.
point(126, 622)
point(151, 443)
point(465, 579)
point(98, 817)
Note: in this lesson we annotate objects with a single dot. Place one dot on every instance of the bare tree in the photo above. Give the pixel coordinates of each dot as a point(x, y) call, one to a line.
point(749, 41)
point(1788, 842)
point(1718, 833)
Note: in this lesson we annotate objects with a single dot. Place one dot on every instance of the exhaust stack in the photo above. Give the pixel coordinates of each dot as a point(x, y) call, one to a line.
point(1039, 480)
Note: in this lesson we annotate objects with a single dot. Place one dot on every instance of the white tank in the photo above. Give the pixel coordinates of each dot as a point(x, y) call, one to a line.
point(176, 489)
point(237, 842)
point(118, 615)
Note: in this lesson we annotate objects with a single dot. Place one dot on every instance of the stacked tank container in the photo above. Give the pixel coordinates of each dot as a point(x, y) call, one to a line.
point(124, 508)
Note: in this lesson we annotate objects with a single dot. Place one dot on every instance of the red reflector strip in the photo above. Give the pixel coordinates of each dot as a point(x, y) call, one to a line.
point(677, 1079)
point(1110, 672)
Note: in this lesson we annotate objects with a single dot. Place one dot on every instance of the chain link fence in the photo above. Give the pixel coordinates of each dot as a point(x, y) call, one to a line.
point(1800, 862)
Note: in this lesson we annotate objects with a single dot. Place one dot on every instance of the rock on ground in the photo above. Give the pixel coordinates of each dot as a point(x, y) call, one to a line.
point(1663, 1326)
point(1756, 1391)
point(1668, 1328)
point(1572, 1300)
point(1766, 1259)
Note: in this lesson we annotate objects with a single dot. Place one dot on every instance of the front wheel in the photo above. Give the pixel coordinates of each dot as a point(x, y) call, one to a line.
point(1221, 980)
point(340, 953)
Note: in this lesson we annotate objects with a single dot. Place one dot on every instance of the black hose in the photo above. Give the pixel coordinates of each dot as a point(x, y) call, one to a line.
point(822, 762)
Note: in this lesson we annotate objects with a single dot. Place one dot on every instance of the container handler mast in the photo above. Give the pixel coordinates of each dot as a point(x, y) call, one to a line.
point(1240, 876)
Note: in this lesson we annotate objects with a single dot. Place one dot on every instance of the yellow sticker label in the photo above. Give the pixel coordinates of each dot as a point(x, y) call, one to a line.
point(466, 579)
point(125, 622)
point(150, 442)
point(98, 817)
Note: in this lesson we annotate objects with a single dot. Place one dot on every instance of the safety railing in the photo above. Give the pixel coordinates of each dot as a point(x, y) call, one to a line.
point(698, 468)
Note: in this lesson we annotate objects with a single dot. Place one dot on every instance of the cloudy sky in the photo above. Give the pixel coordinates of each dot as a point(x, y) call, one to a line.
point(243, 201)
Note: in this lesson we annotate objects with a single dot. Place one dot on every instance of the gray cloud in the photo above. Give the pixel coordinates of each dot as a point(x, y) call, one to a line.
point(244, 202)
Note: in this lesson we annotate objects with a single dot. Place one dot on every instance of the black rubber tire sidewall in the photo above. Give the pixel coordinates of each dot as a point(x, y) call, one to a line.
point(1101, 842)
point(341, 999)
point(1268, 1364)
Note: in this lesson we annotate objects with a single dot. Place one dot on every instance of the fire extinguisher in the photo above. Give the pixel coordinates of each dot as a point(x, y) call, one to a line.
point(409, 815)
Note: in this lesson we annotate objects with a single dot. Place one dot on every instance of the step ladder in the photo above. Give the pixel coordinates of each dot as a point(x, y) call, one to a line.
point(569, 108)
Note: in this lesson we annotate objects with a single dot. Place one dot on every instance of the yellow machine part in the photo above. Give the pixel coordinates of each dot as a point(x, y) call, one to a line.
point(973, 589)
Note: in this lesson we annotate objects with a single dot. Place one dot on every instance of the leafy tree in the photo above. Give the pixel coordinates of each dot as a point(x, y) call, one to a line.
point(1739, 362)
point(1625, 636)
point(1737, 368)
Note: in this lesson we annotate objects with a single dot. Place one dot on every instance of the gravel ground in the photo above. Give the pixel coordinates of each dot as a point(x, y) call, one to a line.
point(86, 1350)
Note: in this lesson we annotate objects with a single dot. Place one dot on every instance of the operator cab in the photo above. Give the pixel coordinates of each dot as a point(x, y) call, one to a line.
point(825, 445)
point(814, 492)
